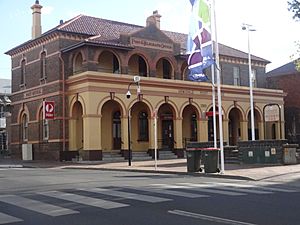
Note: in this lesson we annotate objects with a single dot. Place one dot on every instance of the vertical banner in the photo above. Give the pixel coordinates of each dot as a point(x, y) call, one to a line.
point(48, 109)
point(199, 43)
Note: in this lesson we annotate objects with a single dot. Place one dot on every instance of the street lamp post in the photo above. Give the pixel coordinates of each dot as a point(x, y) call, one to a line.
point(136, 81)
point(249, 28)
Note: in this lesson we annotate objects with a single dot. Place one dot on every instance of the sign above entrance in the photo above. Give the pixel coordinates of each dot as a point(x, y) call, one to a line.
point(144, 43)
point(272, 113)
point(48, 109)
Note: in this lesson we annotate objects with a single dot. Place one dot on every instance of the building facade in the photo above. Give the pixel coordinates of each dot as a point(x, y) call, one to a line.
point(287, 78)
point(86, 66)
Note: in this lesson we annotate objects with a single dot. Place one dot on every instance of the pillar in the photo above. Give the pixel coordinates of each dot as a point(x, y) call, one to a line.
point(244, 130)
point(202, 125)
point(225, 131)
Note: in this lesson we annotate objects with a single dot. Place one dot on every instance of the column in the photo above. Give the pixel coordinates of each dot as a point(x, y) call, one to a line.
point(225, 131)
point(178, 133)
point(261, 130)
point(202, 130)
point(244, 130)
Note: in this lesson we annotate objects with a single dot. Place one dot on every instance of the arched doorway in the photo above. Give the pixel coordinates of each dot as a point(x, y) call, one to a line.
point(257, 119)
point(166, 126)
point(210, 124)
point(116, 130)
point(111, 126)
point(234, 128)
point(189, 124)
point(77, 113)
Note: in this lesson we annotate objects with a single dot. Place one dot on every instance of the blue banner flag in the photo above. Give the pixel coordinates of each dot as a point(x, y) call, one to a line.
point(199, 43)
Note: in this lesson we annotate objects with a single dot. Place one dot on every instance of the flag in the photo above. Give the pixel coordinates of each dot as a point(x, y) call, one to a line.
point(199, 43)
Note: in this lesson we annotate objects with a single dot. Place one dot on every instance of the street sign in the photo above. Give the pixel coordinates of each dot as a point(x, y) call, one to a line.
point(48, 109)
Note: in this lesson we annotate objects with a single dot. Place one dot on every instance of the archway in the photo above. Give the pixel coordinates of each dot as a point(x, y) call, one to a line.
point(111, 126)
point(77, 113)
point(137, 66)
point(257, 119)
point(108, 62)
point(166, 127)
point(164, 69)
point(234, 127)
point(140, 127)
point(189, 124)
point(77, 63)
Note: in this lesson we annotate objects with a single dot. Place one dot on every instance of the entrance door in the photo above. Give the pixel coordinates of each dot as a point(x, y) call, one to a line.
point(117, 130)
point(167, 134)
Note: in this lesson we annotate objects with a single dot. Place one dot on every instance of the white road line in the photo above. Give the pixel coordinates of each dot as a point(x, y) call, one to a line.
point(208, 218)
point(126, 195)
point(203, 189)
point(36, 206)
point(169, 192)
point(4, 218)
point(233, 188)
point(85, 200)
point(259, 187)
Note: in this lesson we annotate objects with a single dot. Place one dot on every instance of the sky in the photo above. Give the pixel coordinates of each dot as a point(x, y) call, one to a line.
point(274, 38)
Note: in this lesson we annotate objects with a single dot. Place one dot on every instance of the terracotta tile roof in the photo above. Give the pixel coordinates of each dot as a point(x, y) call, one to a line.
point(102, 31)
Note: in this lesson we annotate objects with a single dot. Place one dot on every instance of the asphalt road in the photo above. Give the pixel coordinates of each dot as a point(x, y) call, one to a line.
point(93, 197)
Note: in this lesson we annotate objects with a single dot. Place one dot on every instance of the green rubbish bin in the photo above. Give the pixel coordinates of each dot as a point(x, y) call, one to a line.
point(193, 156)
point(211, 160)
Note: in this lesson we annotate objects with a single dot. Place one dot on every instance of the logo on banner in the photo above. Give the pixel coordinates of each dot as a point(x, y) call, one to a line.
point(48, 107)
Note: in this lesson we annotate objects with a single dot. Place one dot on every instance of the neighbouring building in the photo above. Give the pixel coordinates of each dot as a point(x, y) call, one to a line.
point(5, 105)
point(86, 66)
point(287, 78)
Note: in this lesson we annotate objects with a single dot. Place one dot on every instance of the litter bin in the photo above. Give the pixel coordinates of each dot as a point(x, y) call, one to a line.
point(211, 160)
point(193, 156)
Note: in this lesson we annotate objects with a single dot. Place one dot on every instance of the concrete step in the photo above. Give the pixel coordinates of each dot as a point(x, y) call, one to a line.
point(140, 156)
point(112, 157)
point(167, 155)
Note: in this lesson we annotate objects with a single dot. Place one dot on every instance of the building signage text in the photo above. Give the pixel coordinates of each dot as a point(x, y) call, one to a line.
point(138, 42)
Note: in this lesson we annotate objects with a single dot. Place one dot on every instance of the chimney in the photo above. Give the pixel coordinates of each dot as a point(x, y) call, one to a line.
point(154, 19)
point(36, 20)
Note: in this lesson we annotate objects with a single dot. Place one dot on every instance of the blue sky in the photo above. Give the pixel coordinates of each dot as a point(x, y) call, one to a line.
point(273, 40)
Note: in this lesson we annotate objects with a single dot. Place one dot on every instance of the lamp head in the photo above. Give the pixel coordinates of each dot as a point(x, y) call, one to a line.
point(128, 94)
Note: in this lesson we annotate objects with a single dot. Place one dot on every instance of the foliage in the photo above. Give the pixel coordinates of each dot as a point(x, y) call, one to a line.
point(294, 6)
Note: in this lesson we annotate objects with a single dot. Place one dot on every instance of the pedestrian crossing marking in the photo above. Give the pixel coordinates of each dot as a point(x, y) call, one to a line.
point(127, 195)
point(258, 187)
point(203, 189)
point(170, 192)
point(4, 218)
point(233, 188)
point(85, 200)
point(36, 206)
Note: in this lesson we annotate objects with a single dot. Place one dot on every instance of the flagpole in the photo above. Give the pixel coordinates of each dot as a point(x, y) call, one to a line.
point(222, 170)
point(213, 92)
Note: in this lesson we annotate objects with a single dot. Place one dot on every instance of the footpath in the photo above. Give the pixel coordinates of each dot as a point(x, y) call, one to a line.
point(172, 166)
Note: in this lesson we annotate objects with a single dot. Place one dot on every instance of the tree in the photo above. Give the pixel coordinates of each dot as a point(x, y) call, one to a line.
point(294, 6)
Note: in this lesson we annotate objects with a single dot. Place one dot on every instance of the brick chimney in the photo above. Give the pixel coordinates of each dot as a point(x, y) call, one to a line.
point(36, 20)
point(154, 19)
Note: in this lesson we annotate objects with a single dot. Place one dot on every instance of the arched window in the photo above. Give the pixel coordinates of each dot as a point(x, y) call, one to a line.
point(143, 126)
point(43, 65)
point(44, 127)
point(25, 128)
point(194, 127)
point(23, 71)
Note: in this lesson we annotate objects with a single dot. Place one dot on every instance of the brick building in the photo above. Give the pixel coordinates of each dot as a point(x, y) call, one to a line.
point(287, 78)
point(86, 65)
